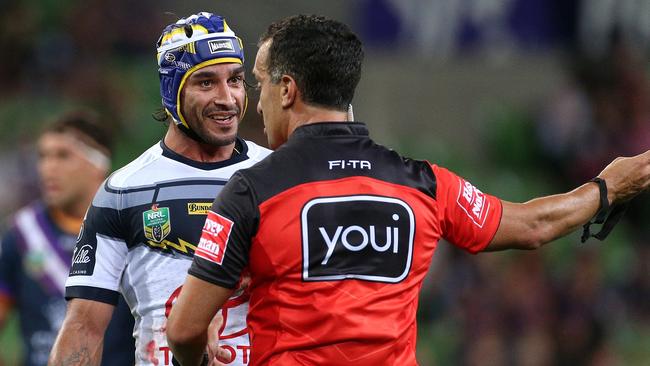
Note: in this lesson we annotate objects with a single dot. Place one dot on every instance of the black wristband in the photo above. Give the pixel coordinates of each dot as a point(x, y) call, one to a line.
point(603, 210)
point(601, 214)
point(606, 215)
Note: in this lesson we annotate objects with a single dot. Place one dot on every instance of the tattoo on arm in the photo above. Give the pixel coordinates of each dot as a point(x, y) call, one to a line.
point(81, 357)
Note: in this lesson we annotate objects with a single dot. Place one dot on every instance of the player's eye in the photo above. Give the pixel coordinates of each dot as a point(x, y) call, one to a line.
point(206, 83)
point(237, 80)
point(63, 154)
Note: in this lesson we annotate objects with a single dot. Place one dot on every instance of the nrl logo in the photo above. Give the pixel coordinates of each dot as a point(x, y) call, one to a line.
point(156, 222)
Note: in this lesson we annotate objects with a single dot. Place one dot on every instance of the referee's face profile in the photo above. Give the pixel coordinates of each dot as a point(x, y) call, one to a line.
point(212, 101)
point(269, 105)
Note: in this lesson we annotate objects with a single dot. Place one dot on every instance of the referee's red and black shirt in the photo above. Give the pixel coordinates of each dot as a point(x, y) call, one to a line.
point(337, 233)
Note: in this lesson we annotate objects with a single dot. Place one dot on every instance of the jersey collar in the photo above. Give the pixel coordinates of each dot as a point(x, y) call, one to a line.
point(331, 129)
point(240, 145)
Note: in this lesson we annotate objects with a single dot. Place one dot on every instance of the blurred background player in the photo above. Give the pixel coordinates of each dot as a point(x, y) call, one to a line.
point(73, 160)
point(145, 221)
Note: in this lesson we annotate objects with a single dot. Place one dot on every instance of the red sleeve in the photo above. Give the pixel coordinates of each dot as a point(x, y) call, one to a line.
point(222, 252)
point(468, 217)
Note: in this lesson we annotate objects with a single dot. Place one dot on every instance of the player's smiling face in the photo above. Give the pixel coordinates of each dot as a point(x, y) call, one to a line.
point(212, 102)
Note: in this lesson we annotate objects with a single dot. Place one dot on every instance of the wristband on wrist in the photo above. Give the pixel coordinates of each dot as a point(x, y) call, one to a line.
point(606, 215)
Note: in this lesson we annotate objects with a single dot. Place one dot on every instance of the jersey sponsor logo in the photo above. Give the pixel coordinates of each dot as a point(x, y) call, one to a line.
point(357, 237)
point(198, 208)
point(349, 164)
point(473, 202)
point(83, 260)
point(157, 223)
point(221, 45)
point(81, 254)
point(214, 238)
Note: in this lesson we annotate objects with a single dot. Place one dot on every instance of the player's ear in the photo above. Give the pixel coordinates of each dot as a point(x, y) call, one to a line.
point(288, 91)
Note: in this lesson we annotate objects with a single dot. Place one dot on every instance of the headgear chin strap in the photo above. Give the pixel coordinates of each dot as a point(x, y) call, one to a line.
point(190, 44)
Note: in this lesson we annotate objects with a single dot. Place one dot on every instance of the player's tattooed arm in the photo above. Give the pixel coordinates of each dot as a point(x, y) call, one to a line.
point(80, 339)
point(80, 357)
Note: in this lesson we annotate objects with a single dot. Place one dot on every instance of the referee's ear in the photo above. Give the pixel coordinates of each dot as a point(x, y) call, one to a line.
point(288, 91)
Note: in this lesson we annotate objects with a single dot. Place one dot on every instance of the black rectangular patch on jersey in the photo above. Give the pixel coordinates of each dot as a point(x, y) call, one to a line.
point(83, 260)
point(361, 237)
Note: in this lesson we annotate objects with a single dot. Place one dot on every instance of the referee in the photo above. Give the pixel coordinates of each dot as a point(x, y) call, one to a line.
point(337, 231)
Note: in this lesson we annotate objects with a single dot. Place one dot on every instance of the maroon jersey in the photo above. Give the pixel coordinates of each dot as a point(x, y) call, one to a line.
point(337, 233)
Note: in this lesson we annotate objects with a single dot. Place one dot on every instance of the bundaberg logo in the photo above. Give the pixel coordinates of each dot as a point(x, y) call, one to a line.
point(157, 223)
point(198, 208)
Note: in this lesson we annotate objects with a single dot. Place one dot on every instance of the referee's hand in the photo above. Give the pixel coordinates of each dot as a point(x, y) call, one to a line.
point(627, 177)
point(216, 354)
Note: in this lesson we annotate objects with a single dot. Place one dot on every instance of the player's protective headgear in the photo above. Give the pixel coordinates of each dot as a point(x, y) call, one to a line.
point(192, 43)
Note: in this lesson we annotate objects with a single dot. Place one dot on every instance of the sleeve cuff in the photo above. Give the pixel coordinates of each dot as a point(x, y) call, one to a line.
point(92, 293)
point(212, 280)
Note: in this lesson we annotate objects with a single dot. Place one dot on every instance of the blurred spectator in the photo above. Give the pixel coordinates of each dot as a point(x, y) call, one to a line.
point(603, 113)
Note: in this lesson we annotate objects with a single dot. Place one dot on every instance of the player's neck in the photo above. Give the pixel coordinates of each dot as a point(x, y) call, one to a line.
point(68, 222)
point(183, 145)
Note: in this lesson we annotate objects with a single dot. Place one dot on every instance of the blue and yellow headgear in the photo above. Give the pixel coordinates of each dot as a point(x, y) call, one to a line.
point(192, 43)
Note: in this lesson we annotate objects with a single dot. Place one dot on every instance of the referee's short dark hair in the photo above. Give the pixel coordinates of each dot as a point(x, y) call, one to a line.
point(86, 123)
point(323, 55)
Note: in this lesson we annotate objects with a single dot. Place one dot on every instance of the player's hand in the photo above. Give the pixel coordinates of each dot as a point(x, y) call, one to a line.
point(216, 354)
point(627, 177)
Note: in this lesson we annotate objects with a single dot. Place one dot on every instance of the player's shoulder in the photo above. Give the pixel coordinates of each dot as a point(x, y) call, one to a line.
point(256, 152)
point(31, 211)
point(24, 219)
point(34, 207)
point(138, 172)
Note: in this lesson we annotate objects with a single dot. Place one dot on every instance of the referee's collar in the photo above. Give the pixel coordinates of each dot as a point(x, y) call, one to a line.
point(330, 129)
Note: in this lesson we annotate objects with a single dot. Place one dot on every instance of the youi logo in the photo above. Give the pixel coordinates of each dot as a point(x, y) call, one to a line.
point(362, 237)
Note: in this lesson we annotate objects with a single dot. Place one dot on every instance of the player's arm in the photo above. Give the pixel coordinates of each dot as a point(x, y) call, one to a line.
point(81, 336)
point(93, 282)
point(190, 317)
point(532, 224)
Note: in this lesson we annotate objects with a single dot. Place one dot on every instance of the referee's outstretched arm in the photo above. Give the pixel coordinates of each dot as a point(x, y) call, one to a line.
point(534, 223)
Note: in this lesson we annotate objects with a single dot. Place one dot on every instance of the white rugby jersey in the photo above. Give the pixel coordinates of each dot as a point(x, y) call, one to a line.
point(139, 236)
